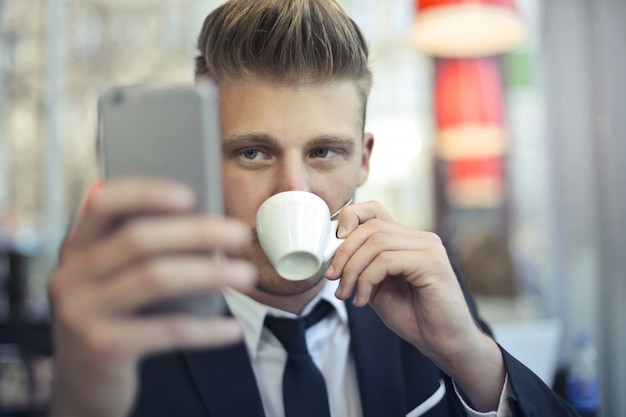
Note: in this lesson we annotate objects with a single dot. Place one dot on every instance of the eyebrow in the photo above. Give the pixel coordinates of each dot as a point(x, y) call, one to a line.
point(244, 139)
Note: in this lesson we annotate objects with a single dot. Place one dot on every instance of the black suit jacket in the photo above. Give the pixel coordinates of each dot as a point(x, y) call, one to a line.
point(394, 380)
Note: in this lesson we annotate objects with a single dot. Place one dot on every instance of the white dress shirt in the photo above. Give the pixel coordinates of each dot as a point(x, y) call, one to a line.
point(329, 346)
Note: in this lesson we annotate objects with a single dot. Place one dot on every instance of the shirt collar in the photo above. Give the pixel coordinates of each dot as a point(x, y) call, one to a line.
point(251, 314)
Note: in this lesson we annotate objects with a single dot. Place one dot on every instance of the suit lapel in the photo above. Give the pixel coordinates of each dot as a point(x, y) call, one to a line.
point(225, 381)
point(377, 356)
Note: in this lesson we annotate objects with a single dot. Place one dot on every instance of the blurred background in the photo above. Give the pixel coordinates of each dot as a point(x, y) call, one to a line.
point(498, 125)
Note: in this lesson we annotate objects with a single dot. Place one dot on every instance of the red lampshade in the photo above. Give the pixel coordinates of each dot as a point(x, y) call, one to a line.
point(468, 91)
point(469, 109)
point(462, 28)
point(475, 183)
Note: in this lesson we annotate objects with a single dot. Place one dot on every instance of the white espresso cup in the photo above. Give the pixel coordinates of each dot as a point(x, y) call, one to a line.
point(296, 233)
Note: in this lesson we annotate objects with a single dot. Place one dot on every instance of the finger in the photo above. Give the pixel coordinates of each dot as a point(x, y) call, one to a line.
point(359, 237)
point(354, 215)
point(183, 332)
point(134, 338)
point(170, 277)
point(147, 237)
point(385, 265)
point(123, 198)
point(425, 268)
point(376, 245)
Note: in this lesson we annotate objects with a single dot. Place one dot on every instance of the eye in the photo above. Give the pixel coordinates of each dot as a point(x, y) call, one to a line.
point(322, 153)
point(253, 154)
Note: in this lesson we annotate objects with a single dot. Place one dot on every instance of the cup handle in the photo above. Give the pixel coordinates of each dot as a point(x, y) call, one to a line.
point(333, 241)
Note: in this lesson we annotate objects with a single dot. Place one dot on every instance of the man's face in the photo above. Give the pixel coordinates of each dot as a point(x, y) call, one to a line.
point(281, 138)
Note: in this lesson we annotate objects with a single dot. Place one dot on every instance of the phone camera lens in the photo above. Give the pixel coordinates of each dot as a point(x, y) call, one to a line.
point(117, 98)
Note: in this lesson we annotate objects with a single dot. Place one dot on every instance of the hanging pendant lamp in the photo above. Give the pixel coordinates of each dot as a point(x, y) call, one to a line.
point(463, 28)
point(469, 109)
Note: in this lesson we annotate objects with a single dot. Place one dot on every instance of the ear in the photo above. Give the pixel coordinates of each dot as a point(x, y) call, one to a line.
point(368, 145)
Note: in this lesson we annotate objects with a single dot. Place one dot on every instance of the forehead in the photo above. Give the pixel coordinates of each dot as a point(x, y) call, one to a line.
point(282, 110)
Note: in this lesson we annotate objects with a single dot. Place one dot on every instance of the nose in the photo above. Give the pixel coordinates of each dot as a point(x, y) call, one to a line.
point(292, 175)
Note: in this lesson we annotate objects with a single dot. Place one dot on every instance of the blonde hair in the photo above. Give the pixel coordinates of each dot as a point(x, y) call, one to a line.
point(291, 42)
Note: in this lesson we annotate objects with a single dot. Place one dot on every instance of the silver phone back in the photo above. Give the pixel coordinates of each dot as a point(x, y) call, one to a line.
point(168, 132)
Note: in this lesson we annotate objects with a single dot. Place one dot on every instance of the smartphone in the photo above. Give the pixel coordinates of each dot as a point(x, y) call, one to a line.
point(170, 132)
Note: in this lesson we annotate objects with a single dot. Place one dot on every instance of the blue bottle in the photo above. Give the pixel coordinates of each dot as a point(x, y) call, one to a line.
point(583, 380)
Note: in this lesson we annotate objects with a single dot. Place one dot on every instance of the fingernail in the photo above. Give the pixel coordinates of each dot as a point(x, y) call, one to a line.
point(338, 293)
point(341, 232)
point(329, 271)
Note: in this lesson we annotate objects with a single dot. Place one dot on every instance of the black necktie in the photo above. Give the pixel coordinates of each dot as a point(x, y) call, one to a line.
point(304, 389)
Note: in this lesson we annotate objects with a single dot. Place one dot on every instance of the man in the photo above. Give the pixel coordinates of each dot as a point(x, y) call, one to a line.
point(293, 82)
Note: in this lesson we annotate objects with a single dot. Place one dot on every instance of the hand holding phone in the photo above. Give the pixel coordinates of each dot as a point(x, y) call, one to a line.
point(169, 132)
